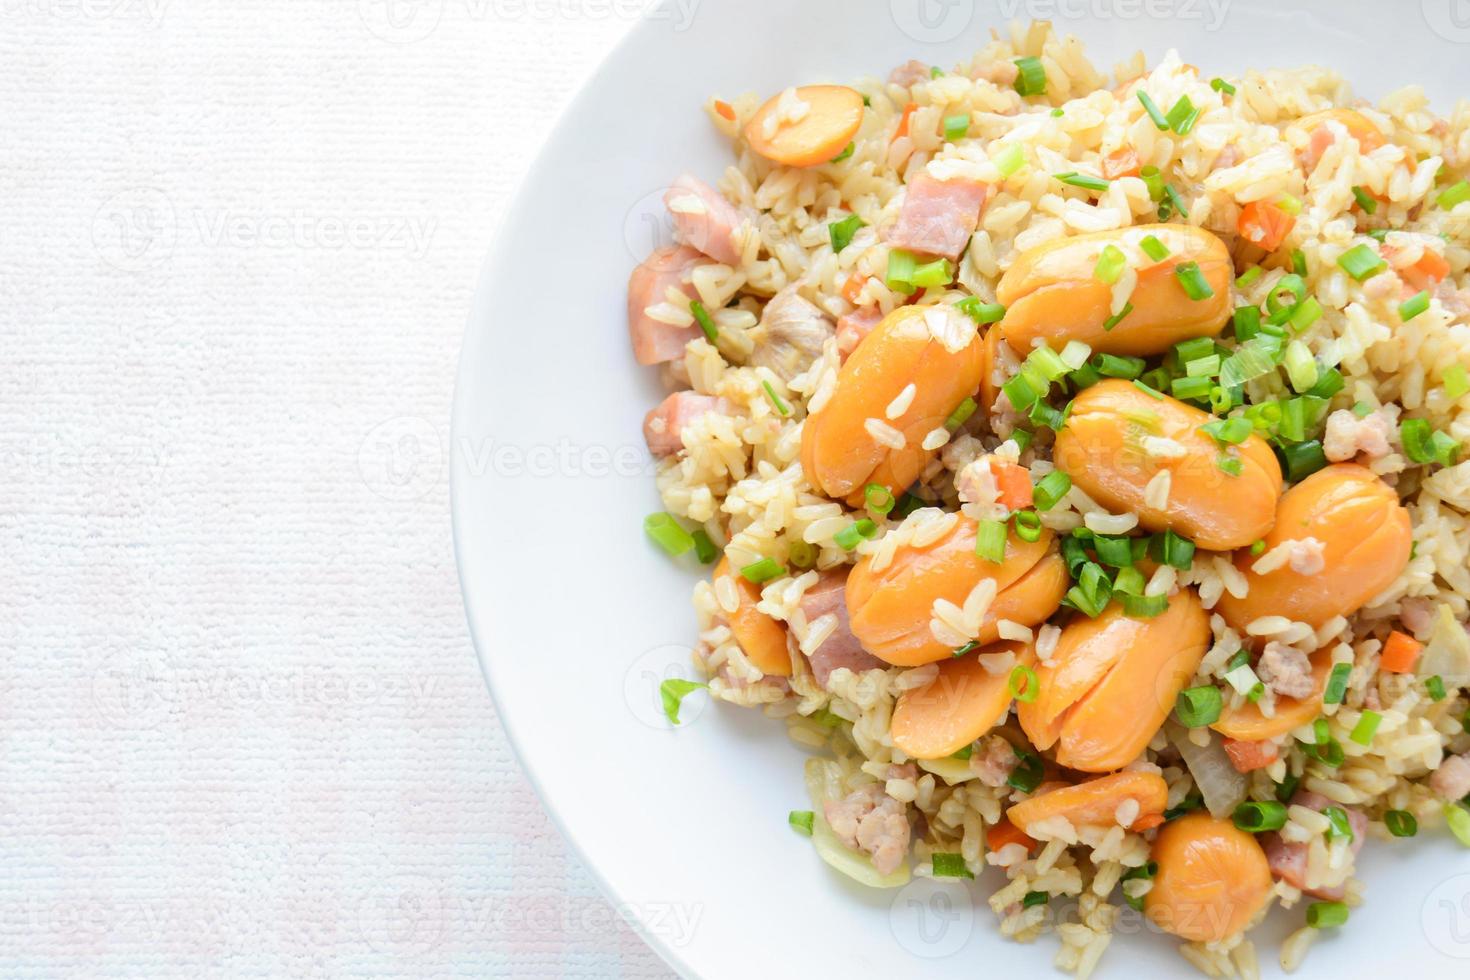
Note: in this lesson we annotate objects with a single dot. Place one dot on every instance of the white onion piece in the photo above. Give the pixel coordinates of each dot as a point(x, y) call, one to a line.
point(1223, 788)
point(822, 785)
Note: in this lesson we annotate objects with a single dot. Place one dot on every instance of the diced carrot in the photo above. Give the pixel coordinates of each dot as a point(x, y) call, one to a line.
point(1014, 483)
point(1250, 756)
point(1265, 224)
point(725, 109)
point(1400, 653)
point(903, 123)
point(1120, 163)
point(1427, 273)
point(1004, 833)
point(853, 287)
point(1147, 822)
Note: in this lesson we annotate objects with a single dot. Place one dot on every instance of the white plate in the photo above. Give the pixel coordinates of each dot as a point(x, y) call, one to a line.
point(576, 617)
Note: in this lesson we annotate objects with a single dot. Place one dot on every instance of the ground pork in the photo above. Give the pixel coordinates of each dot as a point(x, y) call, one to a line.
point(1286, 670)
point(993, 761)
point(1451, 781)
point(871, 821)
point(1348, 435)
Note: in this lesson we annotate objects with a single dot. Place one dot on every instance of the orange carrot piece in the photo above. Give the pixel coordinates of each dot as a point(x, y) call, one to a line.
point(1427, 273)
point(853, 287)
point(1121, 163)
point(1014, 483)
point(1265, 224)
point(1004, 833)
point(725, 109)
point(1250, 756)
point(903, 123)
point(1400, 653)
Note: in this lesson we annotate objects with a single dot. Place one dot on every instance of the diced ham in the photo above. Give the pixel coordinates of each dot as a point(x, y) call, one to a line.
point(1288, 859)
point(704, 219)
point(1451, 781)
point(841, 649)
point(854, 326)
point(662, 426)
point(939, 216)
point(870, 820)
point(654, 341)
point(909, 74)
point(1417, 615)
point(1286, 670)
point(1347, 435)
point(993, 761)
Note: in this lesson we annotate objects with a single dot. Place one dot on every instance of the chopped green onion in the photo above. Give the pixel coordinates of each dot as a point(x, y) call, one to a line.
point(1028, 774)
point(950, 866)
point(1362, 263)
point(1222, 86)
point(1306, 313)
point(1050, 490)
point(1258, 818)
point(1117, 318)
point(1049, 363)
point(1340, 826)
point(842, 232)
point(1199, 706)
point(1043, 414)
point(845, 154)
point(1379, 235)
point(1458, 820)
point(1203, 368)
point(1301, 366)
point(1329, 383)
point(1366, 728)
point(704, 548)
point(702, 317)
point(1456, 382)
point(1435, 687)
point(960, 415)
point(1117, 366)
point(1415, 435)
point(1144, 606)
point(1362, 410)
point(981, 313)
point(1178, 203)
point(1299, 262)
point(782, 409)
point(964, 754)
point(901, 267)
point(936, 72)
point(1149, 106)
point(1401, 823)
point(956, 128)
point(1193, 281)
point(990, 541)
point(1303, 459)
point(1446, 449)
point(1153, 393)
point(1249, 276)
point(1022, 439)
point(761, 572)
point(1193, 349)
point(802, 821)
point(1229, 465)
point(1028, 526)
point(1326, 915)
point(1023, 685)
point(1329, 753)
point(1093, 590)
point(851, 536)
point(1455, 196)
point(1337, 683)
point(1247, 322)
point(1365, 200)
point(1154, 181)
point(1110, 265)
point(1114, 551)
point(1030, 77)
point(801, 554)
point(1084, 181)
point(936, 273)
point(1011, 159)
point(1229, 432)
point(879, 499)
point(1182, 116)
point(1292, 284)
point(1286, 789)
point(672, 693)
point(667, 534)
point(1189, 804)
point(1173, 550)
point(1058, 113)
point(1414, 305)
point(967, 648)
point(1129, 581)
point(1033, 899)
point(1187, 389)
point(1145, 872)
point(1154, 248)
point(1020, 393)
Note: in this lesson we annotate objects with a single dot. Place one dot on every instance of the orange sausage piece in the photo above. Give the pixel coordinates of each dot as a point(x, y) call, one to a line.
point(834, 113)
point(1212, 882)
point(963, 703)
point(1095, 803)
point(761, 638)
point(1248, 724)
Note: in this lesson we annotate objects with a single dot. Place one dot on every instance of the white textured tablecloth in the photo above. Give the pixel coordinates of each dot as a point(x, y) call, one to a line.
point(242, 730)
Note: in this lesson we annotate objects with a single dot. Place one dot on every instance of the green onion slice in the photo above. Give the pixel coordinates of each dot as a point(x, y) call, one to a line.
point(1199, 706)
point(667, 534)
point(672, 693)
